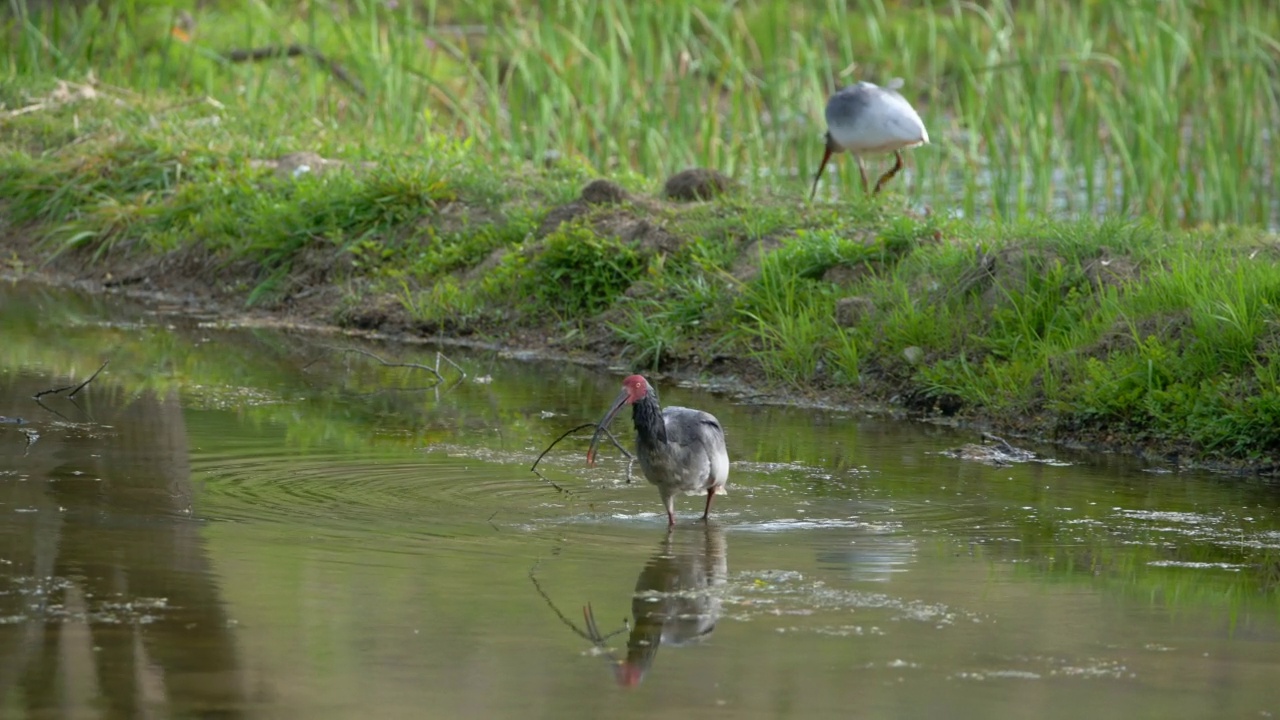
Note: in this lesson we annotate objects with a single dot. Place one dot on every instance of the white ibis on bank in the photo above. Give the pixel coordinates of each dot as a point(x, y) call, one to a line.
point(866, 119)
point(679, 449)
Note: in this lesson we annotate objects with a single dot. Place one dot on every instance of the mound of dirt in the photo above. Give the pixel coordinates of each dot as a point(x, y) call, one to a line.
point(603, 192)
point(696, 184)
point(597, 193)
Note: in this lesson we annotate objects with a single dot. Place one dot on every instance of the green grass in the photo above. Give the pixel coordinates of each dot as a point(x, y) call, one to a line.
point(1154, 108)
point(1127, 329)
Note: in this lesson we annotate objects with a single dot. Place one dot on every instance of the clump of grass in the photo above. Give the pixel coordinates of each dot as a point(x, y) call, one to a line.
point(785, 315)
point(650, 337)
point(578, 272)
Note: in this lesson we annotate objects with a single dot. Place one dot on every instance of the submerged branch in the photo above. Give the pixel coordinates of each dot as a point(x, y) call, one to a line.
point(73, 388)
point(387, 363)
point(553, 484)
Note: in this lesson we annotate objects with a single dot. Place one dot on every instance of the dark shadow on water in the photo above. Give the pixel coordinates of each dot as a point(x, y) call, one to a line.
point(108, 603)
point(676, 600)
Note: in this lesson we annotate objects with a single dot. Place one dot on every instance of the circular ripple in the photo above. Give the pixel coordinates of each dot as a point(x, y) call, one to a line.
point(432, 494)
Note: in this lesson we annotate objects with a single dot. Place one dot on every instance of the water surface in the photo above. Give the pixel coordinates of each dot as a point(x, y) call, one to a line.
point(232, 522)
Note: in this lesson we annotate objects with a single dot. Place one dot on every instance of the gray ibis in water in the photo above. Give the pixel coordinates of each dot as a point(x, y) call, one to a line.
point(680, 450)
point(866, 119)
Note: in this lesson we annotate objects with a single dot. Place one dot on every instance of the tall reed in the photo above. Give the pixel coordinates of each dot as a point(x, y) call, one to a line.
point(1164, 109)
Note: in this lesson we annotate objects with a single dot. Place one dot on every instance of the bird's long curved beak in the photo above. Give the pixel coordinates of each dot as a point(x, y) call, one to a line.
point(603, 424)
point(826, 155)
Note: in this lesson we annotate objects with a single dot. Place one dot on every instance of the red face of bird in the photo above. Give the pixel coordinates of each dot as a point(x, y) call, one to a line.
point(832, 148)
point(634, 388)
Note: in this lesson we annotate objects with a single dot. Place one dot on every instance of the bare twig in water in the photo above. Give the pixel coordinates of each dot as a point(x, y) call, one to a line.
point(387, 363)
point(589, 616)
point(592, 633)
point(1004, 444)
point(563, 435)
point(51, 410)
point(553, 484)
point(91, 377)
point(441, 356)
point(571, 431)
point(294, 50)
point(73, 388)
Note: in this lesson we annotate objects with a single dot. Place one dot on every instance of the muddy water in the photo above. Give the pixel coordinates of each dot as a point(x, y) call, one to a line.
point(253, 524)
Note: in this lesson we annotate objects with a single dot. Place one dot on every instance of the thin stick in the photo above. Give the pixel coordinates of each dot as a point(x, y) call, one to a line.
point(547, 598)
point(563, 435)
point(51, 391)
point(384, 363)
point(592, 634)
point(441, 356)
point(553, 484)
point(55, 412)
point(294, 50)
point(91, 377)
point(77, 388)
point(571, 431)
point(598, 638)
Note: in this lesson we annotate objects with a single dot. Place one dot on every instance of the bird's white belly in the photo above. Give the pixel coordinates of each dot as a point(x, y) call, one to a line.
point(689, 479)
point(881, 128)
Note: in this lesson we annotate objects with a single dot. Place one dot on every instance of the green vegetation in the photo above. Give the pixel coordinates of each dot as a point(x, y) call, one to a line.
point(443, 210)
point(1158, 108)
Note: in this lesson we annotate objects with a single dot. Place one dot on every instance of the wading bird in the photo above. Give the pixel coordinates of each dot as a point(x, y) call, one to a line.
point(866, 119)
point(679, 449)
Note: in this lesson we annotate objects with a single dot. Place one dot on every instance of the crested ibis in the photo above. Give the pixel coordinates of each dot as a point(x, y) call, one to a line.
point(679, 449)
point(866, 119)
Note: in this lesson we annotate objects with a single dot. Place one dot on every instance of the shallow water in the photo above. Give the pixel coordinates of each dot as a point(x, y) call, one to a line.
point(244, 523)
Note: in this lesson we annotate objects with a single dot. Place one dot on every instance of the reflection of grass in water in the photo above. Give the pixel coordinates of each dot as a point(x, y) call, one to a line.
point(1212, 575)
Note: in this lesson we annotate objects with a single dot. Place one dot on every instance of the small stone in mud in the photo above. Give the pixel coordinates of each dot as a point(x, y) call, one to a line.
point(696, 184)
point(296, 164)
point(603, 192)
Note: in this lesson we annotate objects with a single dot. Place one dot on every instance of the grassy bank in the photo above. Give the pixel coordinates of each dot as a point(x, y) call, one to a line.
point(166, 172)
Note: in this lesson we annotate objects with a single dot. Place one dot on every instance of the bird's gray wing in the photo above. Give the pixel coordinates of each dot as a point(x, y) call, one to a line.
point(699, 433)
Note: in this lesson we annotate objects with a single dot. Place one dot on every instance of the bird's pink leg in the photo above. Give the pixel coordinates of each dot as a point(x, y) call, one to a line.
point(711, 493)
point(862, 170)
point(670, 502)
point(892, 171)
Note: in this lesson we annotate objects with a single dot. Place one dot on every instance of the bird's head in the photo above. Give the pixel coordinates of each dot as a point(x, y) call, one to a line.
point(635, 387)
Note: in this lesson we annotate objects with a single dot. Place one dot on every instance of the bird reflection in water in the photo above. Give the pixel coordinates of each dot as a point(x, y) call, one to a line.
point(677, 598)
